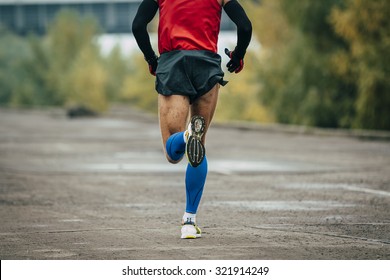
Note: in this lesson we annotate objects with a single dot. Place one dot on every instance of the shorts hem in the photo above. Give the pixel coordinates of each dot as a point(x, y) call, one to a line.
point(192, 97)
point(188, 73)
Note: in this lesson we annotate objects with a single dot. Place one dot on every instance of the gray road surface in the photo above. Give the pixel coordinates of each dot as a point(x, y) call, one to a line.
point(100, 188)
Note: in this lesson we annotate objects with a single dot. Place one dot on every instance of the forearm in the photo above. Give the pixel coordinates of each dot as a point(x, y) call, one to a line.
point(244, 27)
point(146, 12)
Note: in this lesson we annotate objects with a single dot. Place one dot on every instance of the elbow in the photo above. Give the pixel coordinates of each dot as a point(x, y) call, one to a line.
point(247, 28)
point(245, 32)
point(137, 26)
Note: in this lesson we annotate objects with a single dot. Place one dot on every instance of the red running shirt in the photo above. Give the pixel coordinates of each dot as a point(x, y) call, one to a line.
point(188, 25)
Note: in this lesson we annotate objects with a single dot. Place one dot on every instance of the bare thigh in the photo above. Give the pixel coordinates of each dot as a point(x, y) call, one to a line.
point(173, 114)
point(174, 110)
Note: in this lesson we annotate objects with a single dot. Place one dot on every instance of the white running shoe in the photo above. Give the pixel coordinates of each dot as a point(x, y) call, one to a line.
point(190, 231)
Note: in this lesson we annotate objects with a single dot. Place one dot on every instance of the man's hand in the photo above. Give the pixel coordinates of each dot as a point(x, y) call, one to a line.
point(236, 64)
point(152, 62)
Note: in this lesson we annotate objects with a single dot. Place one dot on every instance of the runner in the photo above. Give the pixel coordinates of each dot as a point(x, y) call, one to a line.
point(188, 76)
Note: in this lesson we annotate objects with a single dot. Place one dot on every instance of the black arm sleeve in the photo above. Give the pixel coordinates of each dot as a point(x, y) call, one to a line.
point(244, 27)
point(146, 12)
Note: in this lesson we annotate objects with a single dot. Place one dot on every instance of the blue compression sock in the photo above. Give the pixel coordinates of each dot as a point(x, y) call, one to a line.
point(195, 180)
point(176, 146)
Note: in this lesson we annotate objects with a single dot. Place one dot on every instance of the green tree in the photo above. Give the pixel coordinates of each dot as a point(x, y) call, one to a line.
point(238, 100)
point(87, 82)
point(63, 68)
point(77, 72)
point(365, 26)
point(325, 63)
point(34, 72)
point(298, 82)
point(13, 52)
point(138, 86)
point(117, 67)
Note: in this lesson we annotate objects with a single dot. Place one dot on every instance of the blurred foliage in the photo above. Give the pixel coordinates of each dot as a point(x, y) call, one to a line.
point(64, 68)
point(238, 99)
point(297, 81)
point(117, 69)
point(365, 26)
point(324, 63)
point(138, 88)
point(13, 52)
point(321, 63)
point(76, 72)
point(87, 81)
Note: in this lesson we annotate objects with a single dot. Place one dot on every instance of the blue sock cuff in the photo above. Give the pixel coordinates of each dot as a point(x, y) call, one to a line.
point(175, 146)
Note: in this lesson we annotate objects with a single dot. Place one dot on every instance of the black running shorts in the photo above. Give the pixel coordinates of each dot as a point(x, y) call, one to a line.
point(192, 73)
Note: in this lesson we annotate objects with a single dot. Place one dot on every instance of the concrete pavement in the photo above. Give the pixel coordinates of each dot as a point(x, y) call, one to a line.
point(100, 188)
